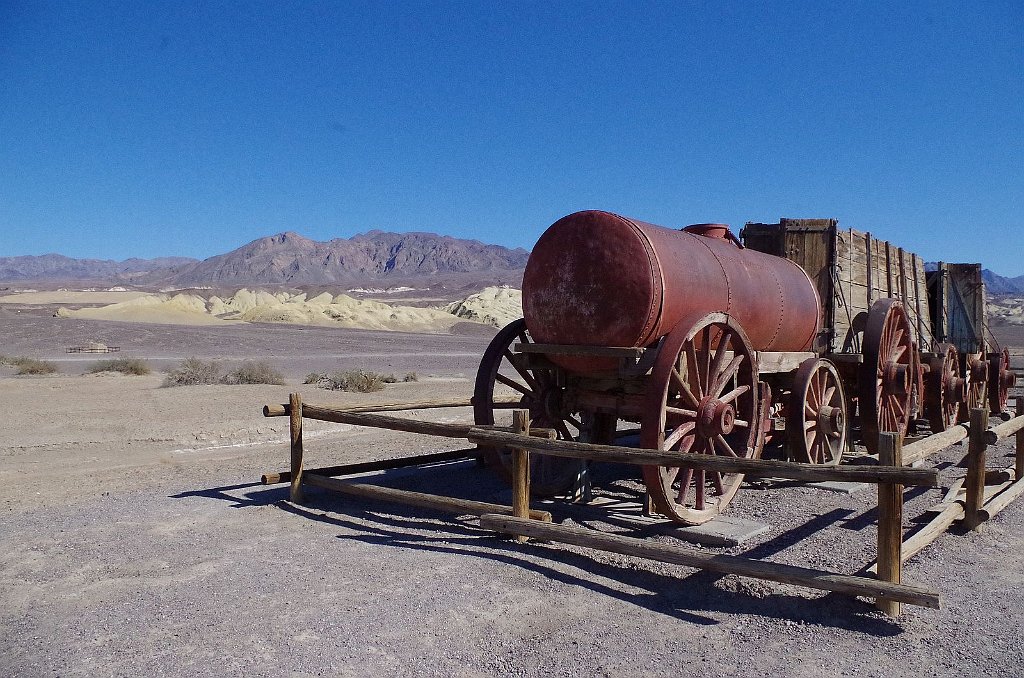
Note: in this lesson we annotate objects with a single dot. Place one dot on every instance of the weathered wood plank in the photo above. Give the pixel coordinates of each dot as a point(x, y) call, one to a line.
point(724, 464)
point(890, 522)
point(975, 483)
point(429, 501)
point(691, 557)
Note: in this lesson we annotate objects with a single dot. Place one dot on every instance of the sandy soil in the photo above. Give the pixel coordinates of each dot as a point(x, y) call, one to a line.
point(135, 540)
point(494, 306)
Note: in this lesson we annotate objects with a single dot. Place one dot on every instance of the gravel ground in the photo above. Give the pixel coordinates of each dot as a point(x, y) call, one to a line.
point(135, 540)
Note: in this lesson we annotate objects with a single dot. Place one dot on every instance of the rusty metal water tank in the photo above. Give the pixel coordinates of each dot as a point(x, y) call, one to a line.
point(600, 279)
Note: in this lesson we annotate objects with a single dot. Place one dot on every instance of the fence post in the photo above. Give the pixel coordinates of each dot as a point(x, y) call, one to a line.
point(975, 483)
point(1020, 441)
point(521, 470)
point(890, 521)
point(295, 407)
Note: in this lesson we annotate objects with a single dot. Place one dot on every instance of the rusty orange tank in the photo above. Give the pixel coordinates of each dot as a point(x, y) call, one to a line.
point(601, 279)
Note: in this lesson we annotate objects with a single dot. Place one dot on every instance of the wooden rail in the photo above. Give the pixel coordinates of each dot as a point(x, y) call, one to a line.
point(691, 557)
point(763, 467)
point(973, 505)
point(274, 477)
point(980, 502)
point(283, 410)
point(434, 502)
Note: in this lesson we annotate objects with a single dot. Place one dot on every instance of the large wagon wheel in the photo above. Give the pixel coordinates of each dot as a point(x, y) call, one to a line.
point(541, 395)
point(817, 421)
point(975, 384)
point(701, 398)
point(1000, 380)
point(885, 383)
point(944, 389)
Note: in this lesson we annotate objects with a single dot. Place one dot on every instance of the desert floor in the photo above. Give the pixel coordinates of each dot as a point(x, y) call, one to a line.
point(135, 539)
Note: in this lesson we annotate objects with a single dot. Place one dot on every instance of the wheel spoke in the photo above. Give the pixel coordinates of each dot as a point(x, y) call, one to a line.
point(678, 434)
point(692, 370)
point(679, 412)
point(734, 394)
point(564, 430)
point(513, 360)
point(723, 345)
point(706, 354)
point(514, 384)
point(716, 478)
point(726, 447)
point(684, 487)
point(728, 373)
point(701, 479)
point(831, 453)
point(684, 388)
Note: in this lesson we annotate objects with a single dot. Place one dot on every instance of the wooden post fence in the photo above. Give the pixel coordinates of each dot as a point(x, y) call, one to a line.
point(521, 470)
point(975, 484)
point(1020, 441)
point(890, 522)
point(295, 405)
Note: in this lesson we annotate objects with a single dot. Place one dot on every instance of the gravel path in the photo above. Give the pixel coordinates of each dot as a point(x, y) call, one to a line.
point(134, 541)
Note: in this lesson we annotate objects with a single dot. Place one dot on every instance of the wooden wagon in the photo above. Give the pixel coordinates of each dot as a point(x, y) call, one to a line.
point(896, 347)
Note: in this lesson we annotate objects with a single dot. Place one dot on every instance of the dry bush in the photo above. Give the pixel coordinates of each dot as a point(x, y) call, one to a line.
point(361, 381)
point(31, 365)
point(194, 372)
point(131, 366)
point(253, 372)
point(411, 376)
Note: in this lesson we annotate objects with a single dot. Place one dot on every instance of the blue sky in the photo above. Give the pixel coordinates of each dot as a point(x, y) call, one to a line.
point(153, 129)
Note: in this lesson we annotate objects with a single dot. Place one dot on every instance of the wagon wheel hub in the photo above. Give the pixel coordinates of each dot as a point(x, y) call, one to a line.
point(715, 418)
point(955, 391)
point(831, 420)
point(551, 404)
point(979, 370)
point(896, 378)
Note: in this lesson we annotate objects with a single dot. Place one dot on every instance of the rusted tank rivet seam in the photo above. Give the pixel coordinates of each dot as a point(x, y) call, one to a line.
point(725, 274)
point(655, 267)
point(782, 309)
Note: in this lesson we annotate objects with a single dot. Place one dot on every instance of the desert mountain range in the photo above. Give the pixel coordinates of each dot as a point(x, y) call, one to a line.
point(287, 258)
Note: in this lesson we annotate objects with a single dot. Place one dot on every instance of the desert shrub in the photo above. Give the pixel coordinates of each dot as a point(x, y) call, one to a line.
point(32, 366)
point(253, 372)
point(132, 366)
point(390, 379)
point(410, 376)
point(193, 372)
point(361, 381)
point(315, 377)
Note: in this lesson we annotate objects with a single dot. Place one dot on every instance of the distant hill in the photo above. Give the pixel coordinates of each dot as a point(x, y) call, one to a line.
point(289, 258)
point(997, 284)
point(994, 283)
point(59, 267)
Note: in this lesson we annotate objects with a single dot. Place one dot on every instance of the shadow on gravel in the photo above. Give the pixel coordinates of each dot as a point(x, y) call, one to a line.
point(688, 598)
point(269, 496)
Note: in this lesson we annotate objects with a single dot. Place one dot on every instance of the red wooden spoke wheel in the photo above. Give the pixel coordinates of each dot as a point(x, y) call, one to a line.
point(1000, 380)
point(944, 389)
point(701, 399)
point(975, 384)
point(817, 422)
point(885, 383)
point(505, 373)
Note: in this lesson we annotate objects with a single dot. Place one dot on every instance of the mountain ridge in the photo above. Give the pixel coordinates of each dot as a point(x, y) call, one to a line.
point(289, 258)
